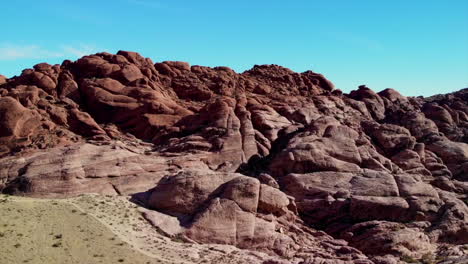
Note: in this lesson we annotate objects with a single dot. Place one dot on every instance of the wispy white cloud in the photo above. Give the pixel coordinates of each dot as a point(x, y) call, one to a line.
point(357, 40)
point(14, 52)
point(80, 50)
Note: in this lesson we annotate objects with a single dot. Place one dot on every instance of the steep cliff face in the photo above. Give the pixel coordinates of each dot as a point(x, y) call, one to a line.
point(257, 159)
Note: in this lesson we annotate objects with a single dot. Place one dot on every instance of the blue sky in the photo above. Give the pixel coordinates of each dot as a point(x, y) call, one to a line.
point(419, 47)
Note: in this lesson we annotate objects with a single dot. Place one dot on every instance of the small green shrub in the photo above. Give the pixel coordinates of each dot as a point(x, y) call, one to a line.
point(408, 259)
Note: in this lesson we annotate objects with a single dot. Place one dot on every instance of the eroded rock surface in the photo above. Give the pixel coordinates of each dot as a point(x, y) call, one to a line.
point(260, 160)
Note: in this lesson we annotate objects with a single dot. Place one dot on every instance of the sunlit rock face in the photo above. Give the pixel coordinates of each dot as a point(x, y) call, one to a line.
point(261, 160)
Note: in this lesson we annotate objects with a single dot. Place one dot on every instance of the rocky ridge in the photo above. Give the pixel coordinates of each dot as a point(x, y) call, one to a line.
point(261, 160)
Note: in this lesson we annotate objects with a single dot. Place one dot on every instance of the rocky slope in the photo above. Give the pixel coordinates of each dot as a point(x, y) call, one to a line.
point(267, 160)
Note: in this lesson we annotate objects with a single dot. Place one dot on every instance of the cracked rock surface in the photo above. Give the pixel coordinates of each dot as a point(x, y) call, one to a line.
point(267, 160)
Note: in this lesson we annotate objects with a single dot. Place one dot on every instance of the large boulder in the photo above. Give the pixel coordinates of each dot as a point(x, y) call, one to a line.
point(230, 208)
point(454, 156)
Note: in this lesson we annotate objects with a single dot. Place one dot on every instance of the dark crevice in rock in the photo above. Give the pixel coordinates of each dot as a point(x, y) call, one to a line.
point(257, 165)
point(116, 189)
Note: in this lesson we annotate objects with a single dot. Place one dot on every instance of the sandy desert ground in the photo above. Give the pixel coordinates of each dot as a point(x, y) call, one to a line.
point(94, 229)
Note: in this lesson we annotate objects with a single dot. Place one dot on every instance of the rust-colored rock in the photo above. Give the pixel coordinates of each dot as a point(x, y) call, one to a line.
point(3, 79)
point(259, 160)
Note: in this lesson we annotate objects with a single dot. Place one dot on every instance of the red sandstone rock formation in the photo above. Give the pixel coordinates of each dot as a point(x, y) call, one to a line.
point(260, 160)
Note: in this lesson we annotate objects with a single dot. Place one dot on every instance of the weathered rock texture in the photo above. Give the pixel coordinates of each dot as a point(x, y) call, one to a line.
point(259, 160)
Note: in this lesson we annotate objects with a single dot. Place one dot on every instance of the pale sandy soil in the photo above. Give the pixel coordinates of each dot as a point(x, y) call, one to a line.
point(96, 229)
point(46, 231)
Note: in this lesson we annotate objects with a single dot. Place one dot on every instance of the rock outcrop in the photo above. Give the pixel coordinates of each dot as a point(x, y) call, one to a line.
point(261, 160)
